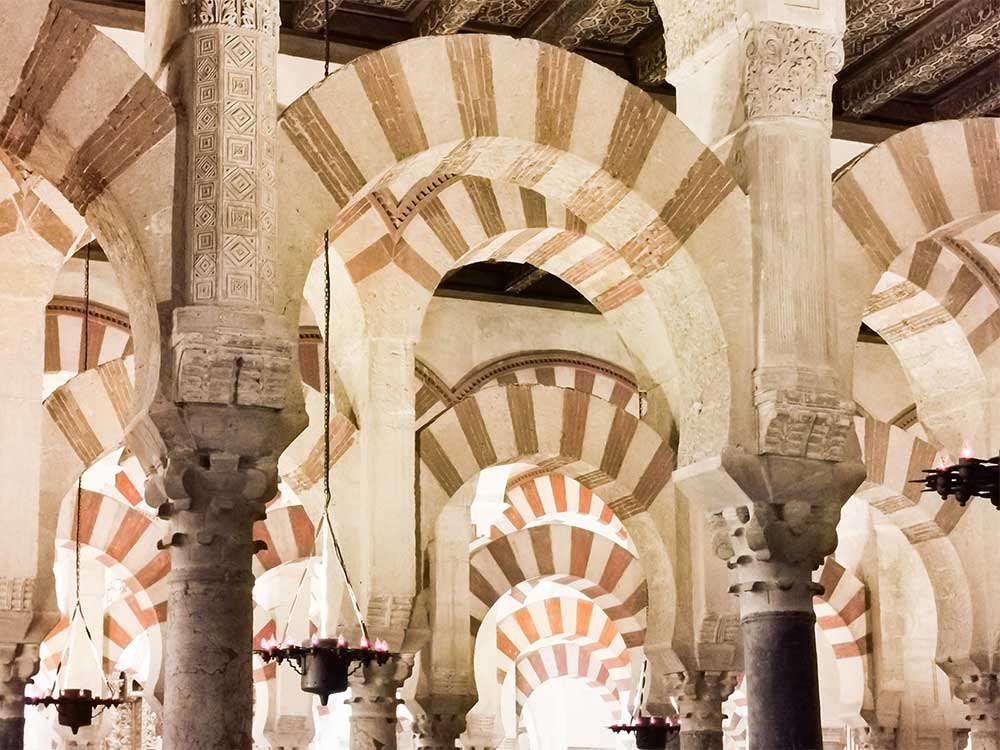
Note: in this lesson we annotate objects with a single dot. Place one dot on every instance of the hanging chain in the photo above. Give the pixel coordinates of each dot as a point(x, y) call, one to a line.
point(327, 493)
point(77, 607)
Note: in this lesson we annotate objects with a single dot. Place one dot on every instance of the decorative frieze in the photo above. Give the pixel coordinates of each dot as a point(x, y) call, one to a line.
point(16, 594)
point(261, 15)
point(693, 25)
point(790, 71)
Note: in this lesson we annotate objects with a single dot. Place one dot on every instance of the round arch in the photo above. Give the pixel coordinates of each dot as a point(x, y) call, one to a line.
point(563, 660)
point(932, 181)
point(546, 120)
point(893, 458)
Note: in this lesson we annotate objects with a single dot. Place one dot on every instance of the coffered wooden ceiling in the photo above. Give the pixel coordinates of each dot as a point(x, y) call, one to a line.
point(907, 61)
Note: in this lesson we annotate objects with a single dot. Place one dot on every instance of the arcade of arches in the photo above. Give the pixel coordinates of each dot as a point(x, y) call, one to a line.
point(603, 431)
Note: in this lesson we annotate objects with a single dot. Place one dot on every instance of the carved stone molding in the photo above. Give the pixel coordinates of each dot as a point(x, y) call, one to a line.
point(980, 692)
point(18, 662)
point(875, 738)
point(801, 414)
point(16, 594)
point(790, 71)
point(699, 696)
point(261, 15)
point(692, 25)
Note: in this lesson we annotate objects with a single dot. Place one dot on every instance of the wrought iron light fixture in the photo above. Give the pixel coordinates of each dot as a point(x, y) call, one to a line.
point(325, 663)
point(75, 707)
point(651, 732)
point(970, 477)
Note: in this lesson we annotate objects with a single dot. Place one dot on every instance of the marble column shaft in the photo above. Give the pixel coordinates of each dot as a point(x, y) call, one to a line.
point(373, 702)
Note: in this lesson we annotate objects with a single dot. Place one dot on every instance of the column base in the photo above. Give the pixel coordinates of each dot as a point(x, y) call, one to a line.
point(12, 734)
point(701, 739)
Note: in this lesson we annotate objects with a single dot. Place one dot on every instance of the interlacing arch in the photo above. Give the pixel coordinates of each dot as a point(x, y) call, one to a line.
point(565, 618)
point(916, 206)
point(521, 113)
point(552, 661)
point(892, 458)
point(605, 572)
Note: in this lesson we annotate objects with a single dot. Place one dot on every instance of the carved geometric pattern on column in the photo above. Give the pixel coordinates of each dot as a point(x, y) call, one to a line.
point(233, 201)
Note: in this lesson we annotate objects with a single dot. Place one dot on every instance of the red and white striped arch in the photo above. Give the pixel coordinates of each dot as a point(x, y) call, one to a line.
point(564, 660)
point(564, 618)
point(603, 447)
point(842, 613)
point(535, 498)
point(542, 119)
point(109, 333)
point(102, 133)
point(564, 369)
point(288, 532)
point(903, 208)
point(893, 458)
point(605, 572)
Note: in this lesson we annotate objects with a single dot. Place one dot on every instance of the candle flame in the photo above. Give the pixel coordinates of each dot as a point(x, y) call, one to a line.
point(364, 643)
point(315, 640)
point(966, 451)
point(341, 641)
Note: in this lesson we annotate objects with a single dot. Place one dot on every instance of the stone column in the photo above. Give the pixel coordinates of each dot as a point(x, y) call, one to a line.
point(438, 731)
point(699, 696)
point(18, 662)
point(211, 504)
point(773, 544)
point(226, 406)
point(981, 694)
point(875, 737)
point(373, 703)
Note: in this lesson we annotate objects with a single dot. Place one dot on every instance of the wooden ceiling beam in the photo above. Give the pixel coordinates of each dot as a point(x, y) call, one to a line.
point(951, 39)
point(447, 16)
point(557, 21)
point(976, 95)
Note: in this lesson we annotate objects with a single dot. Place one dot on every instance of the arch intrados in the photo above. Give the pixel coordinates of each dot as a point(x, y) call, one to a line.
point(116, 197)
point(892, 458)
point(627, 187)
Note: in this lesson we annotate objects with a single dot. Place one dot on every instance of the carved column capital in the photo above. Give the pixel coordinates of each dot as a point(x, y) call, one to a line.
point(259, 15)
point(373, 702)
point(437, 731)
point(18, 662)
point(875, 737)
point(790, 71)
point(960, 739)
point(785, 531)
point(980, 692)
point(699, 696)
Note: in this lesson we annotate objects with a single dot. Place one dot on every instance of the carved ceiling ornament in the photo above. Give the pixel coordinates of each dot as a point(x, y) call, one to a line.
point(507, 13)
point(791, 71)
point(262, 15)
point(615, 21)
point(870, 23)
